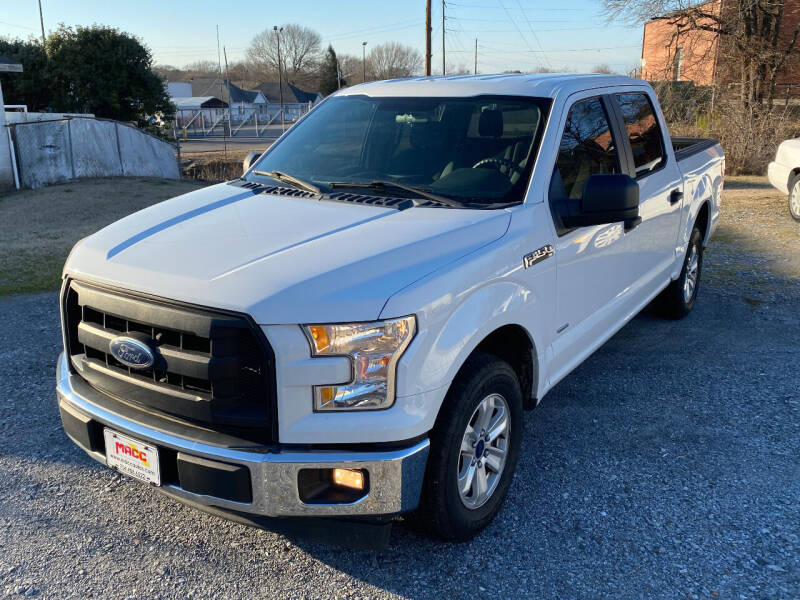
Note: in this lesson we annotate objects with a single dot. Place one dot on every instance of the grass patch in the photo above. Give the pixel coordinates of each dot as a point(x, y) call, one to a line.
point(39, 227)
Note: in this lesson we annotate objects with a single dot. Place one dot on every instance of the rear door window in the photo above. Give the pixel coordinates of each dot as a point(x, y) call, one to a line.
point(587, 148)
point(643, 130)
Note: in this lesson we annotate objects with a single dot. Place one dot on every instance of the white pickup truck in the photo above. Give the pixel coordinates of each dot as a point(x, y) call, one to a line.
point(354, 327)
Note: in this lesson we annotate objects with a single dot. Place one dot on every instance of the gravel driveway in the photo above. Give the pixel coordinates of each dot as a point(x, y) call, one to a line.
point(667, 465)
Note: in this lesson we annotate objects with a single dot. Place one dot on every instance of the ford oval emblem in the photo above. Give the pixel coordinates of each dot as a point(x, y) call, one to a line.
point(131, 352)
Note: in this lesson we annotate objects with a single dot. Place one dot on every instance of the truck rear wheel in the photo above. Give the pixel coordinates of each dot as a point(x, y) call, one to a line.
point(474, 449)
point(677, 300)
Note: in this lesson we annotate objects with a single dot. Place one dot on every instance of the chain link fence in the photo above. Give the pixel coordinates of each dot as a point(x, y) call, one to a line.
point(266, 120)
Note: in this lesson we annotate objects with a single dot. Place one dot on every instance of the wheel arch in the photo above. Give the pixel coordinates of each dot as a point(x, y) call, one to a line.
point(793, 175)
point(702, 220)
point(513, 344)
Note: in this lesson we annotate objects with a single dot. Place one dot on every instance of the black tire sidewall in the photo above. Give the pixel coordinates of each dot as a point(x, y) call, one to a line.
point(480, 377)
point(696, 239)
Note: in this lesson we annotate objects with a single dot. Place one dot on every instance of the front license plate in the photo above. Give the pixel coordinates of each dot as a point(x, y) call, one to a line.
point(132, 457)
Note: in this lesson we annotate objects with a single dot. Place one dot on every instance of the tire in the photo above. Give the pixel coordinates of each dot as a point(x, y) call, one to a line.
point(678, 299)
point(484, 388)
point(794, 198)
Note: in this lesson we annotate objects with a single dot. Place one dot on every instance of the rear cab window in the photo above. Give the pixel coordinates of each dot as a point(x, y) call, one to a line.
point(644, 132)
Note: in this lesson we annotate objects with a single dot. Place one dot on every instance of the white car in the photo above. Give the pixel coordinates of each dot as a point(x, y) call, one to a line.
point(354, 327)
point(784, 173)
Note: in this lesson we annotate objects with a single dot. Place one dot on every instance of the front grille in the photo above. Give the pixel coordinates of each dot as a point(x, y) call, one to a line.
point(212, 368)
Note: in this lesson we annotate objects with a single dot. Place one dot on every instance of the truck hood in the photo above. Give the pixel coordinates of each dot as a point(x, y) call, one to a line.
point(279, 259)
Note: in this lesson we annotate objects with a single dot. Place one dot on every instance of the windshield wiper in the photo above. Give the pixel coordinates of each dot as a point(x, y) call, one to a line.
point(291, 180)
point(383, 185)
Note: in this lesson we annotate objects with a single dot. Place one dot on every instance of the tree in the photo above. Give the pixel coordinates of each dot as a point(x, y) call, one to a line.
point(31, 86)
point(107, 72)
point(392, 60)
point(329, 73)
point(603, 69)
point(350, 67)
point(750, 34)
point(300, 51)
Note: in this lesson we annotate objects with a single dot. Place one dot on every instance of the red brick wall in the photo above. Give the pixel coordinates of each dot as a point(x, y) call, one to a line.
point(703, 60)
point(660, 45)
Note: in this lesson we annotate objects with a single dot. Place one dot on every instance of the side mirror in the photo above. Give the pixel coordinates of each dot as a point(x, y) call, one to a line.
point(605, 199)
point(249, 160)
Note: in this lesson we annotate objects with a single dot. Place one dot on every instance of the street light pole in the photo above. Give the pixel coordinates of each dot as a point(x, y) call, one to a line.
point(364, 61)
point(277, 31)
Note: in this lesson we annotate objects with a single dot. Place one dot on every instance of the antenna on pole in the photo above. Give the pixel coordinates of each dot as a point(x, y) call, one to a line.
point(427, 38)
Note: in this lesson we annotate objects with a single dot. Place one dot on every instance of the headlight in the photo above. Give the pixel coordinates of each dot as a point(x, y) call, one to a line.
point(374, 349)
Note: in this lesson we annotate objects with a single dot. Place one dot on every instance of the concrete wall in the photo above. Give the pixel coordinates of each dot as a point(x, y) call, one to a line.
point(53, 151)
point(6, 169)
point(16, 116)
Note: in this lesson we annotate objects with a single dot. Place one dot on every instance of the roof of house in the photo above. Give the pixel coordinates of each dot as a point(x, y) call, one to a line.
point(291, 93)
point(9, 65)
point(195, 102)
point(225, 91)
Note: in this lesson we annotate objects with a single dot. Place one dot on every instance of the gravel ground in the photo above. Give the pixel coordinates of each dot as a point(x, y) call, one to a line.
point(665, 466)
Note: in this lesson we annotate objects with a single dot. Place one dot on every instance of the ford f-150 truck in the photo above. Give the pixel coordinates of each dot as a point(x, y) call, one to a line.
point(354, 327)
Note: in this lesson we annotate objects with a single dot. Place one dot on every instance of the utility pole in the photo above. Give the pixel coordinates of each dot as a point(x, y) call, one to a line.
point(427, 38)
point(228, 85)
point(443, 63)
point(277, 31)
point(476, 57)
point(221, 95)
point(364, 62)
point(41, 21)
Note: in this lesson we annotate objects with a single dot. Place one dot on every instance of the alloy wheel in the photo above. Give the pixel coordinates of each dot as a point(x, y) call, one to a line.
point(484, 447)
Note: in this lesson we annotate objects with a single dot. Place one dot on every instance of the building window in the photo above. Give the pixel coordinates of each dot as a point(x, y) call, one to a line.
point(678, 63)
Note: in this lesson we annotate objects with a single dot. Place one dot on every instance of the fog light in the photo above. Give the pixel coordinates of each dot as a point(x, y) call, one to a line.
point(351, 478)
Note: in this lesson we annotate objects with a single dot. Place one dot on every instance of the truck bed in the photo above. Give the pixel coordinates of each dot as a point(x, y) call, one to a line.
point(685, 147)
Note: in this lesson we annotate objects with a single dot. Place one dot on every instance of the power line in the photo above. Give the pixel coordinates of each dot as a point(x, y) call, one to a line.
point(533, 33)
point(524, 39)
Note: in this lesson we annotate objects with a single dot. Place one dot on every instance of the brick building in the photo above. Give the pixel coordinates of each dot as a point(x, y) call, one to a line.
point(669, 53)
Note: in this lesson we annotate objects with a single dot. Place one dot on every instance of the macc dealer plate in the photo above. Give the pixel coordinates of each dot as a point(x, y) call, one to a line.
point(132, 457)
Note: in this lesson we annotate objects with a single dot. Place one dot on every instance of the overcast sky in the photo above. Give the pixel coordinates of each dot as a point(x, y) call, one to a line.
point(512, 34)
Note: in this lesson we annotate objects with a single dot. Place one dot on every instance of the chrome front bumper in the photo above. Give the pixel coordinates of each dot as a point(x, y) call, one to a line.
point(395, 476)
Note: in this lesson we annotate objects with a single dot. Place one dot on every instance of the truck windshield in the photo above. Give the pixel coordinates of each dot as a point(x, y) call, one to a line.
point(477, 150)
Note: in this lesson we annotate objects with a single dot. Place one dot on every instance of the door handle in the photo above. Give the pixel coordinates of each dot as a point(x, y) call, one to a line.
point(675, 196)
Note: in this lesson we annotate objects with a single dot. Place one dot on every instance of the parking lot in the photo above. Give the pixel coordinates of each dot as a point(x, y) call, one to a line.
point(666, 466)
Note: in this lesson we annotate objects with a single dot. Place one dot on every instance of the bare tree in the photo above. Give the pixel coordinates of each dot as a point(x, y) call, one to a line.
point(300, 52)
point(392, 60)
point(350, 68)
point(749, 33)
point(603, 69)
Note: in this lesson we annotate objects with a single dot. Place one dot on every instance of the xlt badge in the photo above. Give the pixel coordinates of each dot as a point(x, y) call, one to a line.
point(537, 256)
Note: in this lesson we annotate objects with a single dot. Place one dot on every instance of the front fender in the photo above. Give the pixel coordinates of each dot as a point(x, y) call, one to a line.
point(484, 311)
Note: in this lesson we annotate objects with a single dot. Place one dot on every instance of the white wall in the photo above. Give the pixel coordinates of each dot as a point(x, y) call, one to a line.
point(53, 151)
point(6, 170)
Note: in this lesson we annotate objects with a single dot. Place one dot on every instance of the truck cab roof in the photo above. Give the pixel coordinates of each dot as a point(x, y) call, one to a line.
point(544, 85)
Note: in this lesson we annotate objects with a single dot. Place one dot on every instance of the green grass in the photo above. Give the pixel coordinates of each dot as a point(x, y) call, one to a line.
point(40, 227)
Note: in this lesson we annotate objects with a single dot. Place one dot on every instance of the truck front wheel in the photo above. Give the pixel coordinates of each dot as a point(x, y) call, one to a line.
point(474, 449)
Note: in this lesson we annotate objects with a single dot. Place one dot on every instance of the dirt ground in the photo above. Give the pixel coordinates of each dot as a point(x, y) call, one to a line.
point(39, 227)
point(757, 240)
